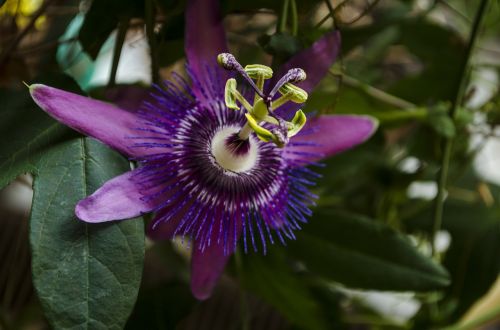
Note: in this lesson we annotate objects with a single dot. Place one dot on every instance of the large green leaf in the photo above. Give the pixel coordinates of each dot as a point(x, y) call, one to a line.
point(271, 278)
point(86, 275)
point(362, 253)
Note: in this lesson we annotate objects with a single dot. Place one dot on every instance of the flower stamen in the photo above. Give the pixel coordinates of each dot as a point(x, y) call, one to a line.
point(294, 75)
point(229, 62)
point(260, 73)
point(261, 112)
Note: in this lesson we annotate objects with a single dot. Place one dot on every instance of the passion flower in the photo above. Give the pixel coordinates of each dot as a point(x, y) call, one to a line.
point(215, 162)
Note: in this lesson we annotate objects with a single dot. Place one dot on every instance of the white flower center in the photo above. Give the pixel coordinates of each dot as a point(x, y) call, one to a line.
point(229, 159)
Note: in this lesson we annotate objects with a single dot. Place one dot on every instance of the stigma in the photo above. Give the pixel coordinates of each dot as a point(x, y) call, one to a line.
point(261, 119)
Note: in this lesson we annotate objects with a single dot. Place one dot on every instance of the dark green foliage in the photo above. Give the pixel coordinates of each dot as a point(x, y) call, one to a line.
point(86, 275)
point(364, 254)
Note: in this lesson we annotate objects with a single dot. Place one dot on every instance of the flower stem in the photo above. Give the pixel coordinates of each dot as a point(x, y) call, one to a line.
point(398, 115)
point(284, 16)
point(373, 92)
point(448, 143)
point(295, 19)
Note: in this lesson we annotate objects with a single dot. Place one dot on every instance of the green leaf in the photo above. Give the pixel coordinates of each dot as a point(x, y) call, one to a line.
point(28, 131)
point(362, 253)
point(86, 275)
point(271, 278)
point(439, 119)
point(2, 2)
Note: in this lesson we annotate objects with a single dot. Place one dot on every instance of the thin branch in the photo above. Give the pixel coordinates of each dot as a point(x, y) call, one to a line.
point(363, 13)
point(4, 57)
point(295, 18)
point(331, 13)
point(284, 16)
point(448, 143)
point(375, 92)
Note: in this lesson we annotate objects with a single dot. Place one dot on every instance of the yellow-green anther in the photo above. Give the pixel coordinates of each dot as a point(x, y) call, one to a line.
point(278, 130)
point(290, 93)
point(229, 94)
point(298, 121)
point(294, 93)
point(255, 71)
point(262, 133)
point(259, 73)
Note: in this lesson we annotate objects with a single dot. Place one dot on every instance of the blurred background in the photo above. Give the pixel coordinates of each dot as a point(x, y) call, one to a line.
point(427, 69)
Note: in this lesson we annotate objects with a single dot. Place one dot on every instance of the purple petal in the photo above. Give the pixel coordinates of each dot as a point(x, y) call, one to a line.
point(103, 121)
point(129, 97)
point(328, 135)
point(207, 264)
point(315, 60)
point(205, 39)
point(119, 198)
point(206, 268)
